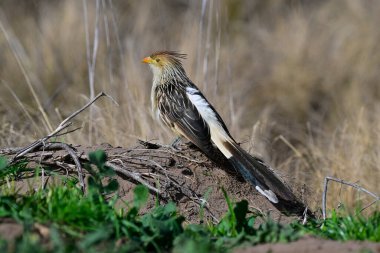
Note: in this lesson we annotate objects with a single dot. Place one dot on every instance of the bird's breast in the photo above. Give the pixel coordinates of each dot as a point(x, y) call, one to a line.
point(154, 101)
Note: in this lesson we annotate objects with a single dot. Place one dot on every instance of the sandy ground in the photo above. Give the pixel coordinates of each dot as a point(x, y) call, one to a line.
point(313, 245)
point(9, 230)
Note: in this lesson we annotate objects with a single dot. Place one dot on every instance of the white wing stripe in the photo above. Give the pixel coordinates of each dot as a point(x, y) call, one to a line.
point(218, 134)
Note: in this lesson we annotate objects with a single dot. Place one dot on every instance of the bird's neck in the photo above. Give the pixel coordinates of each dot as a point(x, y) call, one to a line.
point(166, 76)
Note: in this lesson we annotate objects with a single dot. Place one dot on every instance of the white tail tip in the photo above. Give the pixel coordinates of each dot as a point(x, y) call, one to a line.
point(269, 194)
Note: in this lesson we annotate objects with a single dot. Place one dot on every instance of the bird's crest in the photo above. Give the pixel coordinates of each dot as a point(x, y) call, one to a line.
point(170, 54)
point(171, 57)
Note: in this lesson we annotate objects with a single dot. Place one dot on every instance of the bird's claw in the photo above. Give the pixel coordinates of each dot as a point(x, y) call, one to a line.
point(175, 144)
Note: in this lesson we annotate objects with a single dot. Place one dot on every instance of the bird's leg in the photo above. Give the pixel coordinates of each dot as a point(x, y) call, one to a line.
point(174, 144)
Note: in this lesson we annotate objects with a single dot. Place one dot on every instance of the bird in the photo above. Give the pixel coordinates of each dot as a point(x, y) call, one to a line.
point(179, 104)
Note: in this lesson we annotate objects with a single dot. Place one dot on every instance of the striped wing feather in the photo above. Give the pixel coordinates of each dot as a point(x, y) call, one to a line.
point(177, 112)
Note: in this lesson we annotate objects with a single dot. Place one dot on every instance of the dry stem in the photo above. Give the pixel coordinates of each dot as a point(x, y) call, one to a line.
point(63, 125)
point(358, 187)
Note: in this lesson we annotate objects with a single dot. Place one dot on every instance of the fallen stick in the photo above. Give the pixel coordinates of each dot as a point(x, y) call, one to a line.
point(133, 175)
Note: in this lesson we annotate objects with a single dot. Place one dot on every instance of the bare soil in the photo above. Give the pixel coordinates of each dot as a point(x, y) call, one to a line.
point(10, 231)
point(313, 245)
point(197, 178)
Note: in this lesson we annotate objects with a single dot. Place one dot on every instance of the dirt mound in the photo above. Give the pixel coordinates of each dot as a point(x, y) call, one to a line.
point(185, 176)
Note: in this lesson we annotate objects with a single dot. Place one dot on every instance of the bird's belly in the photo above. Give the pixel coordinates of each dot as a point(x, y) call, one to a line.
point(156, 114)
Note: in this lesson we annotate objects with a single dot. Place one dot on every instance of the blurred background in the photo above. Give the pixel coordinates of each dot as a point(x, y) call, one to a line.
point(297, 82)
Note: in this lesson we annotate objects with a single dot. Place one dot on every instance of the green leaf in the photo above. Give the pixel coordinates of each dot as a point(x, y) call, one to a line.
point(240, 211)
point(141, 195)
point(3, 162)
point(170, 208)
point(92, 182)
point(112, 186)
point(98, 157)
point(91, 238)
point(56, 240)
point(229, 204)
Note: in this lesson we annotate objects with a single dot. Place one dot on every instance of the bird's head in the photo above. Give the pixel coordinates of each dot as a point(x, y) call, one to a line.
point(166, 64)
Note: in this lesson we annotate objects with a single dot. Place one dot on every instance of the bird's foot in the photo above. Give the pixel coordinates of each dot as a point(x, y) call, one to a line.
point(175, 144)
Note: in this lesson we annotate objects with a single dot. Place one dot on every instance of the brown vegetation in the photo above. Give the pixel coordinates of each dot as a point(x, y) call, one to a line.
point(296, 81)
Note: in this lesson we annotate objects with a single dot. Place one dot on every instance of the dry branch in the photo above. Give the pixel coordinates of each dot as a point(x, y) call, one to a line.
point(156, 173)
point(184, 176)
point(356, 186)
point(132, 175)
point(43, 142)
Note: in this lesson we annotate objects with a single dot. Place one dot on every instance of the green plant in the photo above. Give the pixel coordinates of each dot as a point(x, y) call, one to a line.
point(95, 181)
point(10, 172)
point(91, 222)
point(348, 227)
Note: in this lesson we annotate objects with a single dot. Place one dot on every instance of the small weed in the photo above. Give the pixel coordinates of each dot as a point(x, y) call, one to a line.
point(90, 222)
point(348, 227)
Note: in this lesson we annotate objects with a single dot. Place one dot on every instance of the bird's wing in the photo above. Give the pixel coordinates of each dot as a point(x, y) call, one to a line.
point(180, 114)
point(205, 108)
point(250, 169)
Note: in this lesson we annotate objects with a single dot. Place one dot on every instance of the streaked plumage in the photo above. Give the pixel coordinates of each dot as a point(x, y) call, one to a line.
point(181, 106)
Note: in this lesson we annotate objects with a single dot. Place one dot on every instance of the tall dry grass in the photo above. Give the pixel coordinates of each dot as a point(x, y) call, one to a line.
point(297, 81)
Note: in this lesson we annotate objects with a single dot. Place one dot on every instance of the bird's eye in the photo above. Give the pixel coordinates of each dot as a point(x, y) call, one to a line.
point(158, 60)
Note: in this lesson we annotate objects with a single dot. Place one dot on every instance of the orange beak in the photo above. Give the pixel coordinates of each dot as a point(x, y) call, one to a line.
point(147, 60)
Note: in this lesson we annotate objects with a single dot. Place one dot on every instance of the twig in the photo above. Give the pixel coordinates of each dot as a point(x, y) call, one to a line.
point(151, 162)
point(63, 125)
point(68, 131)
point(167, 179)
point(370, 204)
point(133, 175)
point(304, 220)
point(45, 182)
point(327, 179)
point(42, 168)
point(172, 153)
point(294, 149)
point(75, 158)
point(193, 196)
point(10, 151)
point(81, 110)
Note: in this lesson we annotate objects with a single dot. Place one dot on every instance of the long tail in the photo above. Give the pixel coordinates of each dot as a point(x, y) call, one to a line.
point(257, 173)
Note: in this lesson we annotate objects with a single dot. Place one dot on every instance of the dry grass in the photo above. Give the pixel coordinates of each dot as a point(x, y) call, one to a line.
point(298, 81)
